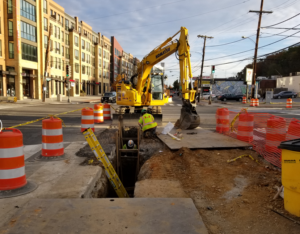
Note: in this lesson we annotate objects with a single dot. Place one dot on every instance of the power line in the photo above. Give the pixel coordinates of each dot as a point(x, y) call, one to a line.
point(282, 21)
point(180, 18)
point(277, 35)
point(253, 49)
point(229, 42)
point(250, 58)
point(282, 28)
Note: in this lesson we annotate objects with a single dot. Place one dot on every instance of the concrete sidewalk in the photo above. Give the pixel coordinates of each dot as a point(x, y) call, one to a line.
point(74, 100)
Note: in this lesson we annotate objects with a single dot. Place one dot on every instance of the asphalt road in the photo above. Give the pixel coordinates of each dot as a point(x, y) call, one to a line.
point(13, 114)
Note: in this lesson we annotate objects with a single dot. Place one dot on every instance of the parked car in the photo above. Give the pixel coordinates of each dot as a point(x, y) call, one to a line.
point(229, 96)
point(207, 95)
point(285, 94)
point(109, 97)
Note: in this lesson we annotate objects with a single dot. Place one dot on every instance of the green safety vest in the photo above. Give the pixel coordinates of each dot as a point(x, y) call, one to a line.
point(125, 146)
point(147, 122)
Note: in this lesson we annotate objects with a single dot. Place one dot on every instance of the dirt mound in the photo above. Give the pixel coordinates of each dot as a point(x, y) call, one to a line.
point(233, 197)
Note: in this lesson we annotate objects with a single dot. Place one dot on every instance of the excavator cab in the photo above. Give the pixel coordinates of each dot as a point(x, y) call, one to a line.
point(157, 87)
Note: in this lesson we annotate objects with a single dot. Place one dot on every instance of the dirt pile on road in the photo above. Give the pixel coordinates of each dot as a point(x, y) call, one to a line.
point(233, 197)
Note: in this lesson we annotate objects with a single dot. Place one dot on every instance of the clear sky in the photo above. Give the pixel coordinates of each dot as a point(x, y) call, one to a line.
point(141, 25)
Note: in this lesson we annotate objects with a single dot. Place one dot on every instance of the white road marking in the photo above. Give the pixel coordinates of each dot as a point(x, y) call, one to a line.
point(179, 105)
point(171, 104)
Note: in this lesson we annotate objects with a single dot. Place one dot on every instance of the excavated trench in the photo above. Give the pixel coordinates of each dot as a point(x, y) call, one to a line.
point(128, 170)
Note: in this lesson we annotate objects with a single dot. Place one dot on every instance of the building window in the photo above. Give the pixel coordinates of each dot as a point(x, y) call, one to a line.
point(76, 40)
point(10, 28)
point(83, 56)
point(67, 25)
point(29, 52)
point(62, 21)
point(83, 69)
point(45, 41)
point(27, 10)
point(76, 67)
point(100, 63)
point(9, 7)
point(62, 51)
point(67, 39)
point(11, 50)
point(100, 52)
point(58, 33)
point(77, 86)
point(45, 24)
point(76, 54)
point(55, 31)
point(45, 7)
point(62, 36)
point(67, 53)
point(0, 48)
point(82, 44)
point(79, 29)
point(63, 64)
point(28, 31)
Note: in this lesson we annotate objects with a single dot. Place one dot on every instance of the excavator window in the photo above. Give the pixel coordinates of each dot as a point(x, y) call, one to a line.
point(157, 87)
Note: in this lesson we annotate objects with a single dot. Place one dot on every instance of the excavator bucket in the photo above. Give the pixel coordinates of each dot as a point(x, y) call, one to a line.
point(189, 119)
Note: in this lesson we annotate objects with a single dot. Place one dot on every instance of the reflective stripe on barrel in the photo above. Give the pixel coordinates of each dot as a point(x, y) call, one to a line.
point(222, 118)
point(12, 161)
point(245, 127)
point(87, 119)
point(106, 112)
point(98, 113)
point(276, 133)
point(52, 138)
point(289, 103)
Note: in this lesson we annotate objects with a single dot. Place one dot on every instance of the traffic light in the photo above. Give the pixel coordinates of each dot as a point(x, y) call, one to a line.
point(213, 69)
point(67, 70)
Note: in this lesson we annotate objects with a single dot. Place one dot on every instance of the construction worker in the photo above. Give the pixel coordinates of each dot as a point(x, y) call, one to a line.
point(130, 145)
point(147, 123)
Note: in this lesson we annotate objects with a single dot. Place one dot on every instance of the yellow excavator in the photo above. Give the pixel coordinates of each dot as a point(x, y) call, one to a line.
point(146, 89)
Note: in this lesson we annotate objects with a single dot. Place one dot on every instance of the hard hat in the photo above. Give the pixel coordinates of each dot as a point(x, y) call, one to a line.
point(130, 143)
point(144, 111)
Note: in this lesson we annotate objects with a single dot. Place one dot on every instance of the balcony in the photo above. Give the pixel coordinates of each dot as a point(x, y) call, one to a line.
point(10, 35)
point(10, 14)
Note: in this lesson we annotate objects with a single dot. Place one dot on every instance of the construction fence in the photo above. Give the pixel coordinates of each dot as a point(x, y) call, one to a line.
point(263, 131)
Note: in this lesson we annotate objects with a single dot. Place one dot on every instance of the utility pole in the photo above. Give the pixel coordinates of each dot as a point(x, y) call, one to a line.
point(46, 65)
point(203, 55)
point(260, 12)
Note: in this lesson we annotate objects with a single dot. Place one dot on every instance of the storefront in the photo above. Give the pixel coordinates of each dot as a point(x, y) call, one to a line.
point(26, 83)
point(1, 85)
point(10, 82)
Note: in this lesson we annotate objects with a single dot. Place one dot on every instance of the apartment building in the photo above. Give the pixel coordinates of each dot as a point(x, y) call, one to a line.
point(121, 62)
point(26, 26)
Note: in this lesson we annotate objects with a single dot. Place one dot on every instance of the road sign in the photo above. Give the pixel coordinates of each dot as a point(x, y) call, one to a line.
point(249, 75)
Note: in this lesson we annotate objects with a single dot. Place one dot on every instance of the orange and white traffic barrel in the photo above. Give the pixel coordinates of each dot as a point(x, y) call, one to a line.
point(276, 133)
point(245, 127)
point(12, 161)
point(293, 131)
point(106, 112)
point(252, 102)
point(222, 118)
point(244, 99)
point(289, 103)
point(87, 119)
point(98, 113)
point(52, 138)
point(257, 102)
